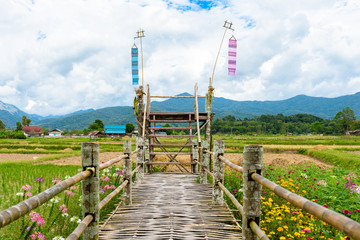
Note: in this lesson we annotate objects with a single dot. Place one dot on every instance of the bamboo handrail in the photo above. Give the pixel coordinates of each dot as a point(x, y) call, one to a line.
point(207, 151)
point(111, 195)
point(210, 173)
point(112, 161)
point(232, 165)
point(337, 220)
point(80, 228)
point(13, 213)
point(135, 151)
point(135, 170)
point(232, 198)
point(257, 230)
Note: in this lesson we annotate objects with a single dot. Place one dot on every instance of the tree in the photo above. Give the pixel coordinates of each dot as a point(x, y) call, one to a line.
point(97, 125)
point(2, 125)
point(168, 131)
point(25, 121)
point(344, 120)
point(130, 127)
point(18, 126)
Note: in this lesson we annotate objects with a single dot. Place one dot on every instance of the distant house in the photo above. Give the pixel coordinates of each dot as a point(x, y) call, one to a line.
point(115, 130)
point(353, 133)
point(31, 131)
point(55, 133)
point(95, 134)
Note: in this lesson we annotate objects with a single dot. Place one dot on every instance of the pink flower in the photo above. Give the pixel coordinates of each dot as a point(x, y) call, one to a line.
point(305, 231)
point(70, 193)
point(357, 210)
point(104, 178)
point(41, 236)
point(26, 187)
point(73, 188)
point(63, 208)
point(56, 180)
point(33, 236)
point(28, 194)
point(35, 217)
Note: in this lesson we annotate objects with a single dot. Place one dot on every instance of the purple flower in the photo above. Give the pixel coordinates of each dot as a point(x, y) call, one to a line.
point(40, 179)
point(349, 184)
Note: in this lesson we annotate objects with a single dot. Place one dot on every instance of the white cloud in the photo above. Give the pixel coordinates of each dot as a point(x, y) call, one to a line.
point(62, 56)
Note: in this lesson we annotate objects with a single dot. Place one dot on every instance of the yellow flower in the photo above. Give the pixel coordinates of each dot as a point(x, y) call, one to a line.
point(286, 227)
point(297, 234)
point(303, 191)
point(282, 238)
point(280, 229)
point(272, 232)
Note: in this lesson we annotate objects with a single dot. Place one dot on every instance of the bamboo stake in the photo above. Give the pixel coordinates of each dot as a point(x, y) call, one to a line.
point(90, 189)
point(218, 166)
point(145, 110)
point(140, 159)
point(197, 113)
point(127, 173)
point(253, 156)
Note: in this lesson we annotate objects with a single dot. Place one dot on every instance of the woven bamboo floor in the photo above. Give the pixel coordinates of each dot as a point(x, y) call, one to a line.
point(171, 206)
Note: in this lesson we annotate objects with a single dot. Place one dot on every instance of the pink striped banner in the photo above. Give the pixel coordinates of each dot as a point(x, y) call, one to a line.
point(232, 57)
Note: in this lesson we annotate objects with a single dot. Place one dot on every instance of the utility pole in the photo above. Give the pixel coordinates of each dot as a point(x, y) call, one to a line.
point(140, 34)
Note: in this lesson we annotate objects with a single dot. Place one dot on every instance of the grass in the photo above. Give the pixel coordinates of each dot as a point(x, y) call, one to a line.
point(15, 177)
point(335, 157)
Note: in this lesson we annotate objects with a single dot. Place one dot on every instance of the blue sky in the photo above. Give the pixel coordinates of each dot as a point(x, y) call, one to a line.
point(62, 56)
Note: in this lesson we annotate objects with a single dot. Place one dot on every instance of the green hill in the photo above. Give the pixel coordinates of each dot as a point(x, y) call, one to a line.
point(318, 106)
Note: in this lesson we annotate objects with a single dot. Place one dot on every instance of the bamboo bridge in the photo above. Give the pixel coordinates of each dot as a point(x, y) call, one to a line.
point(171, 206)
point(181, 205)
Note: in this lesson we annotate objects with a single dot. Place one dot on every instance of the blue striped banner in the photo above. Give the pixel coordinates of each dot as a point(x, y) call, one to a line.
point(135, 65)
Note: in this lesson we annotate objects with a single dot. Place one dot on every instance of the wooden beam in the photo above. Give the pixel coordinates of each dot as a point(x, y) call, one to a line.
point(176, 96)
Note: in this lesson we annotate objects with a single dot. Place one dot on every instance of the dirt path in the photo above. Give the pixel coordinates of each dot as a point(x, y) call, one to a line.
point(274, 159)
point(14, 157)
point(104, 157)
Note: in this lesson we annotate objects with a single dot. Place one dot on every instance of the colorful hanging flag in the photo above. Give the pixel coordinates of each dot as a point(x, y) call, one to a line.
point(135, 65)
point(232, 56)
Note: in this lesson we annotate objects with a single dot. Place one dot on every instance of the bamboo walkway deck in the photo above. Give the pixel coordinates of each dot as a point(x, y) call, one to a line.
point(171, 206)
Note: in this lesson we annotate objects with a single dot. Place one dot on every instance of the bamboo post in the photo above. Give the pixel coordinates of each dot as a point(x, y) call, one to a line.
point(90, 189)
point(253, 158)
point(140, 159)
point(204, 162)
point(208, 134)
point(147, 155)
point(195, 154)
point(127, 172)
point(141, 107)
point(218, 166)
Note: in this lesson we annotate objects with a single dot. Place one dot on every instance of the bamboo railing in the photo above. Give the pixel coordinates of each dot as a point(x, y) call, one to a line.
point(91, 206)
point(253, 180)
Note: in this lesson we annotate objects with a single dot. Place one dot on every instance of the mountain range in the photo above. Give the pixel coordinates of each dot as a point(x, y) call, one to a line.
point(318, 106)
